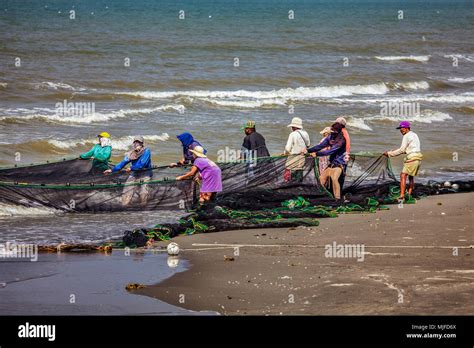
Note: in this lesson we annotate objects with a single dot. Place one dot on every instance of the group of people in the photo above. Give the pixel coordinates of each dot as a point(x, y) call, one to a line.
point(140, 169)
point(333, 152)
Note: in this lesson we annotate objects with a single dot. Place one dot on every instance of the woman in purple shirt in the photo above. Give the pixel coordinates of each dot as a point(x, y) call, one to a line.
point(209, 172)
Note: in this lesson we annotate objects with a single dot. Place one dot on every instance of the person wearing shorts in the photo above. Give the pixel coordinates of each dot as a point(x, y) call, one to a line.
point(411, 163)
point(336, 152)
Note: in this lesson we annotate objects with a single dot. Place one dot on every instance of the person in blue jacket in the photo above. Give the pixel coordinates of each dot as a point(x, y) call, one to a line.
point(140, 159)
point(189, 143)
point(336, 152)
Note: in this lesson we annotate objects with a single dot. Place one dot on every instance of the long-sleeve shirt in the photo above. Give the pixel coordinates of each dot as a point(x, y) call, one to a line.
point(410, 144)
point(101, 155)
point(143, 162)
point(256, 142)
point(336, 152)
point(298, 140)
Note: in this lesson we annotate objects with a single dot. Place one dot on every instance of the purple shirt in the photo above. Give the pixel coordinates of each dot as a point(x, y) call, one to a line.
point(210, 173)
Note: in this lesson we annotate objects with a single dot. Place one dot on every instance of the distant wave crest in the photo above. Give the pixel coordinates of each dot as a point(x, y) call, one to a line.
point(404, 58)
point(461, 79)
point(427, 116)
point(49, 115)
point(122, 143)
point(48, 85)
point(285, 96)
point(465, 57)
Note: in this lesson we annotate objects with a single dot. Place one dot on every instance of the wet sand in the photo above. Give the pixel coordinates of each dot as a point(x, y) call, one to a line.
point(82, 283)
point(418, 259)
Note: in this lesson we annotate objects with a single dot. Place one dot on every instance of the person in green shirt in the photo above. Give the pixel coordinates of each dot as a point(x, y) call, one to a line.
point(100, 153)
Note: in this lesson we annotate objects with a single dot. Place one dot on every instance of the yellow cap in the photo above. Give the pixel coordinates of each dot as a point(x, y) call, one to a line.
point(104, 135)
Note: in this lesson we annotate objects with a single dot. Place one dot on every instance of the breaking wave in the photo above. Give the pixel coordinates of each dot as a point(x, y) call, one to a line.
point(461, 79)
point(7, 210)
point(122, 143)
point(427, 116)
point(467, 97)
point(50, 115)
point(257, 99)
point(404, 58)
point(47, 85)
point(358, 123)
point(466, 57)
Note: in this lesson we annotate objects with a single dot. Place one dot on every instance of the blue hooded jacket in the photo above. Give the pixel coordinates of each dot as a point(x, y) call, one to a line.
point(188, 143)
point(141, 163)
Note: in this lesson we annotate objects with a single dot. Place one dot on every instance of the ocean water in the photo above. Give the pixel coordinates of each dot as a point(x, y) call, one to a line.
point(334, 58)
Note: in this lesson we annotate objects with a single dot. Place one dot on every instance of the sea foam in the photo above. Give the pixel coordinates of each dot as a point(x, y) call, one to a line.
point(427, 116)
point(404, 58)
point(461, 79)
point(7, 210)
point(122, 143)
point(50, 115)
point(280, 97)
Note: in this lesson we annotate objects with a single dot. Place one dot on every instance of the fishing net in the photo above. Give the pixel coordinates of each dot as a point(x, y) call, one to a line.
point(282, 191)
point(272, 180)
point(75, 185)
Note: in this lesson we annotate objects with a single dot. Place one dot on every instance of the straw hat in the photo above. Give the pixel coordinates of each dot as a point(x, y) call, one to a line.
point(199, 151)
point(296, 122)
point(326, 130)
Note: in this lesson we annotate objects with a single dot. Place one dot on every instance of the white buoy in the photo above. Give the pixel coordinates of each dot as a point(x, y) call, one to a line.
point(173, 249)
point(455, 186)
point(447, 184)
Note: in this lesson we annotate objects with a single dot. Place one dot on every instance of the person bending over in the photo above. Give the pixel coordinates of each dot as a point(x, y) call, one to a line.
point(206, 170)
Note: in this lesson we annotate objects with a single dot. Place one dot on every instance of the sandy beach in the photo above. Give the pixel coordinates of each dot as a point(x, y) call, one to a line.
point(417, 260)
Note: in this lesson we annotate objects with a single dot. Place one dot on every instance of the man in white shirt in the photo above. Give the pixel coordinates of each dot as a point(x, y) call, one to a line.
point(298, 140)
point(411, 163)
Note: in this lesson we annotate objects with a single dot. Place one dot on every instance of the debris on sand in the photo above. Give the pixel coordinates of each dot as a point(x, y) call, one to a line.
point(134, 286)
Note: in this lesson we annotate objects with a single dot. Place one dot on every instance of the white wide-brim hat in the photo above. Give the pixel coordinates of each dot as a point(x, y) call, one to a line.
point(199, 151)
point(296, 122)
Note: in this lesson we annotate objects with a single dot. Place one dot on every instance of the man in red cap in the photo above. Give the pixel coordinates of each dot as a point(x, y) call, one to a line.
point(411, 163)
